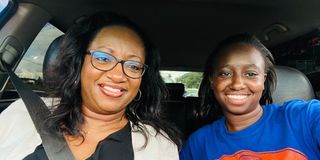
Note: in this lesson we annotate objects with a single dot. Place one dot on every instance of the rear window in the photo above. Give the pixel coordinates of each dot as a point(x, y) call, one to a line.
point(302, 53)
point(191, 80)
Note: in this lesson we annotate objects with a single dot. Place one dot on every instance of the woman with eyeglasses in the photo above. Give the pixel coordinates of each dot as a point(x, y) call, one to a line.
point(110, 90)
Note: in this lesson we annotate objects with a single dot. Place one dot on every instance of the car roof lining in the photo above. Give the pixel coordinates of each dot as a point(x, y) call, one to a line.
point(191, 28)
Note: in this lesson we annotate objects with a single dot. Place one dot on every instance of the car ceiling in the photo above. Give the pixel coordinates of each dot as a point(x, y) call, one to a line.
point(186, 31)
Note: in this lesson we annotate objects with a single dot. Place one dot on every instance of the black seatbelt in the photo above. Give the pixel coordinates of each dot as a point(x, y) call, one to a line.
point(55, 147)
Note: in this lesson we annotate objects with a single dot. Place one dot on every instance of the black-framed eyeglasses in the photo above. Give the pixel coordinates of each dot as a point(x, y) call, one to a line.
point(105, 62)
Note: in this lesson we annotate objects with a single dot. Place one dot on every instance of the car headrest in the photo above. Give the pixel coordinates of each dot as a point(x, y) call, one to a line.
point(291, 84)
point(176, 90)
point(50, 63)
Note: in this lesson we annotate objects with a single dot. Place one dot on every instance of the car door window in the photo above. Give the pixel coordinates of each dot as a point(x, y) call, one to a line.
point(30, 66)
point(190, 80)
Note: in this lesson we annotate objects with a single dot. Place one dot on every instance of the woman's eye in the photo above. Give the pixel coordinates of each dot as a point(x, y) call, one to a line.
point(133, 66)
point(251, 74)
point(104, 59)
point(224, 74)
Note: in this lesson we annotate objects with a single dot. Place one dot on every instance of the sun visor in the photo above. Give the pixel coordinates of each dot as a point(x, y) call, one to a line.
point(10, 51)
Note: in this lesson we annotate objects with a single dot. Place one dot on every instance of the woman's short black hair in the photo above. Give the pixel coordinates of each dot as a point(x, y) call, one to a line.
point(209, 104)
point(67, 116)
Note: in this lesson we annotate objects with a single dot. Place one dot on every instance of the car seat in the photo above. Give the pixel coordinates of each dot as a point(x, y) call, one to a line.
point(50, 63)
point(291, 84)
point(175, 105)
point(315, 79)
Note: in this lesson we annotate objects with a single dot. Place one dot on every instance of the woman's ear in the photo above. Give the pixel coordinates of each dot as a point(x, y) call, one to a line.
point(211, 82)
point(265, 80)
point(265, 76)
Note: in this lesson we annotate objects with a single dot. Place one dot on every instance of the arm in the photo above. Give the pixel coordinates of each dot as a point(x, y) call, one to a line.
point(18, 134)
point(314, 120)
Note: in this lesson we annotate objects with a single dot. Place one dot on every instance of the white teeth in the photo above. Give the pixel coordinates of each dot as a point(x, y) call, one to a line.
point(111, 89)
point(237, 96)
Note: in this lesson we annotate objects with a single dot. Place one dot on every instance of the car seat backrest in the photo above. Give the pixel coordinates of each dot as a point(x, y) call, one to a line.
point(50, 63)
point(49, 75)
point(315, 82)
point(176, 90)
point(175, 107)
point(291, 84)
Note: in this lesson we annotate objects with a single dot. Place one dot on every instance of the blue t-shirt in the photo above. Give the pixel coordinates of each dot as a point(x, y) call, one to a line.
point(288, 131)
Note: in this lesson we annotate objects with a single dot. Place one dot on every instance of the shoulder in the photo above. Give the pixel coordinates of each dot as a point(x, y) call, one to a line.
point(18, 134)
point(157, 145)
point(298, 111)
point(195, 147)
point(299, 106)
point(15, 107)
point(204, 132)
point(18, 113)
point(15, 117)
point(18, 107)
point(302, 103)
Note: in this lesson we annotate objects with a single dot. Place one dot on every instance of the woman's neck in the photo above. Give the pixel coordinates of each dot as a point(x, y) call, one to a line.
point(101, 123)
point(240, 122)
point(95, 128)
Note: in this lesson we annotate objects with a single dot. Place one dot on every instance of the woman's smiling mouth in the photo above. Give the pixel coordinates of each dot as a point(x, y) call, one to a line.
point(237, 99)
point(112, 91)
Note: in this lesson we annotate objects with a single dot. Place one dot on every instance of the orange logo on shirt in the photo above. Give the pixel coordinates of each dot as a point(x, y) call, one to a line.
point(284, 154)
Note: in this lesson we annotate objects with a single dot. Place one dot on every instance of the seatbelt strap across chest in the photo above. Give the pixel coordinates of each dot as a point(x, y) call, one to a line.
point(55, 147)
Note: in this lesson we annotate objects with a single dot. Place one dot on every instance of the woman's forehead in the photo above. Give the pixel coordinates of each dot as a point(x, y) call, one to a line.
point(240, 54)
point(118, 38)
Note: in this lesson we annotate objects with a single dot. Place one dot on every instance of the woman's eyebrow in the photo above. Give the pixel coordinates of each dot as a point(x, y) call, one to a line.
point(135, 56)
point(252, 66)
point(104, 48)
point(224, 66)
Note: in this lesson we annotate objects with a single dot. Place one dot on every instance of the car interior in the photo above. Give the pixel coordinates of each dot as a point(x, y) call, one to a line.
point(185, 32)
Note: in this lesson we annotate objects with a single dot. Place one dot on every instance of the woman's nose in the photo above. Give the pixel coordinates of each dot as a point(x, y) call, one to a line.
point(238, 82)
point(116, 74)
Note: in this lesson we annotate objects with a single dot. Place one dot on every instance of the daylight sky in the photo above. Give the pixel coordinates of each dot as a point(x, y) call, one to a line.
point(31, 64)
point(3, 3)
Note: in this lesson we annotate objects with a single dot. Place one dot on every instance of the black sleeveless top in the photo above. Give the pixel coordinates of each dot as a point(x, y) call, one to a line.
point(117, 146)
